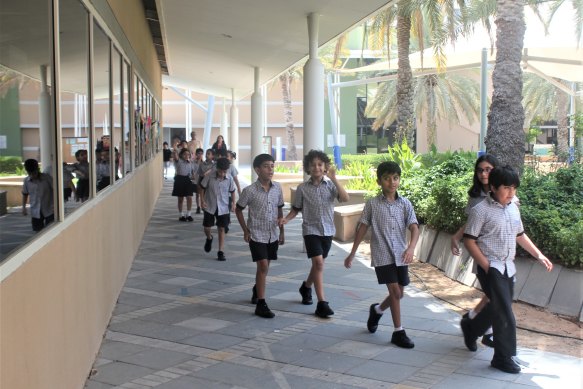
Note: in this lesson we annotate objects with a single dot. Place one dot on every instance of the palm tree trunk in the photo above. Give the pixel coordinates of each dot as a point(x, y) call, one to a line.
point(506, 136)
point(405, 107)
point(431, 81)
point(287, 115)
point(562, 125)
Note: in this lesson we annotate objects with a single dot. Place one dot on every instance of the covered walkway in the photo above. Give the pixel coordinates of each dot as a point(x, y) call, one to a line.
point(184, 320)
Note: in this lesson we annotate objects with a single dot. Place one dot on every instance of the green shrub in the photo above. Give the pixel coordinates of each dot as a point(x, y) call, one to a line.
point(11, 165)
point(447, 202)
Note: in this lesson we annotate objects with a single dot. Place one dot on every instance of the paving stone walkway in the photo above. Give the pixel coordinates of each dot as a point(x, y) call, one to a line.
point(184, 320)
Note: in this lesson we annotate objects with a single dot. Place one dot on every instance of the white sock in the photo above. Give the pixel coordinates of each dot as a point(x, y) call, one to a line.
point(378, 309)
point(472, 314)
point(399, 329)
point(187, 213)
point(182, 213)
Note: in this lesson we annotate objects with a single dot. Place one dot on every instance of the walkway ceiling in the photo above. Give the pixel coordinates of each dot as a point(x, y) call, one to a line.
point(212, 46)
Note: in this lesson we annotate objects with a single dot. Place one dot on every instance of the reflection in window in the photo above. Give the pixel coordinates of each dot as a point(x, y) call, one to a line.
point(101, 109)
point(126, 117)
point(25, 121)
point(117, 114)
point(75, 143)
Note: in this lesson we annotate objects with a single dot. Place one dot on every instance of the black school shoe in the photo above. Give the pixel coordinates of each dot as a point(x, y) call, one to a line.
point(373, 319)
point(306, 294)
point(323, 310)
point(208, 245)
point(488, 340)
point(254, 295)
point(401, 339)
point(182, 219)
point(221, 256)
point(262, 310)
point(189, 218)
point(469, 340)
point(507, 365)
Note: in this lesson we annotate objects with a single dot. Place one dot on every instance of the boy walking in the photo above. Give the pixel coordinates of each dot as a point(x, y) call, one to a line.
point(265, 200)
point(39, 187)
point(389, 216)
point(216, 189)
point(494, 227)
point(315, 198)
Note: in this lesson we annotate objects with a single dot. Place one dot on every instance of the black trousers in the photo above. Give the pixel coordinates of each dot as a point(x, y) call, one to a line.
point(497, 313)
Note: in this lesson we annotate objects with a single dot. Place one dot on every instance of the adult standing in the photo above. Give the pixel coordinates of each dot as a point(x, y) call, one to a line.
point(220, 147)
point(194, 144)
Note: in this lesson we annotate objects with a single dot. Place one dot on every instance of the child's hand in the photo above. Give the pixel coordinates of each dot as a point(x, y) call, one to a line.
point(282, 221)
point(331, 172)
point(348, 261)
point(203, 204)
point(408, 256)
point(455, 246)
point(246, 235)
point(545, 261)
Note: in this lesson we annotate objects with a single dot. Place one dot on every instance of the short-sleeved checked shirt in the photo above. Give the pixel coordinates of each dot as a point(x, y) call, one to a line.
point(217, 193)
point(263, 210)
point(184, 168)
point(495, 227)
point(388, 221)
point(40, 192)
point(204, 167)
point(317, 205)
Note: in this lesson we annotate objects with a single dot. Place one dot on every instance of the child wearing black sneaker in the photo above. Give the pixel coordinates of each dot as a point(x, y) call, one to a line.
point(389, 216)
point(262, 230)
point(216, 188)
point(494, 227)
point(315, 198)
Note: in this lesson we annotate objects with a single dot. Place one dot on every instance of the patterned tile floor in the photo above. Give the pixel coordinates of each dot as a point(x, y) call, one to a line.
point(184, 320)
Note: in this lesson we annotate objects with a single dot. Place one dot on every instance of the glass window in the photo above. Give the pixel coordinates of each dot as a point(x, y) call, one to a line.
point(116, 130)
point(101, 109)
point(25, 121)
point(138, 122)
point(74, 76)
point(126, 117)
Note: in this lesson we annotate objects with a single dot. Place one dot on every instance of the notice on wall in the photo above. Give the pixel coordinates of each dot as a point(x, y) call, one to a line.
point(3, 142)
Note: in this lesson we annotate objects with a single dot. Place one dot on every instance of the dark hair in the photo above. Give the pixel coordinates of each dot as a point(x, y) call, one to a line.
point(388, 167)
point(476, 188)
point(313, 154)
point(232, 153)
point(165, 144)
point(182, 151)
point(223, 164)
point(31, 165)
point(79, 152)
point(504, 175)
point(199, 150)
point(258, 160)
point(211, 150)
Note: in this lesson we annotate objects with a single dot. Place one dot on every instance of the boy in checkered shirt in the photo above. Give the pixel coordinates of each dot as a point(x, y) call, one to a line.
point(389, 216)
point(494, 227)
point(261, 230)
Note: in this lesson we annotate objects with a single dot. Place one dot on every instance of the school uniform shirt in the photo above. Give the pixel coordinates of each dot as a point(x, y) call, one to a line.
point(388, 221)
point(263, 210)
point(217, 193)
point(204, 167)
point(494, 227)
point(317, 205)
point(184, 168)
point(40, 195)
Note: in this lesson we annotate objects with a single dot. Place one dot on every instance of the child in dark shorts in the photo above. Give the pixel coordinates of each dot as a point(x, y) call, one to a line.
point(315, 198)
point(216, 188)
point(262, 231)
point(389, 216)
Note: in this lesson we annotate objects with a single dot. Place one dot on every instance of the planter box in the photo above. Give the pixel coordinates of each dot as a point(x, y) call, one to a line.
point(346, 219)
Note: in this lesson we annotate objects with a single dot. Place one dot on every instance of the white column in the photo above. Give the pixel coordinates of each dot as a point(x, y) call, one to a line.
point(188, 114)
point(313, 92)
point(45, 128)
point(234, 129)
point(224, 131)
point(256, 122)
point(208, 124)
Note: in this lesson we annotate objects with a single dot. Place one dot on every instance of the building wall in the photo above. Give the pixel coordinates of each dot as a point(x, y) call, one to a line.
point(58, 291)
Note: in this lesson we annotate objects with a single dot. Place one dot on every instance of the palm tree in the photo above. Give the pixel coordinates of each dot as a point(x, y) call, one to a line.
point(506, 137)
point(543, 100)
point(285, 80)
point(436, 96)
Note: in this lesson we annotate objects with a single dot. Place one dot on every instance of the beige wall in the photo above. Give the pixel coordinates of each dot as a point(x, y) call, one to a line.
point(56, 305)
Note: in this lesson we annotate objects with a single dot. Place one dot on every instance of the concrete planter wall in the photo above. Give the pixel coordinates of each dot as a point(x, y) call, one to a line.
point(560, 291)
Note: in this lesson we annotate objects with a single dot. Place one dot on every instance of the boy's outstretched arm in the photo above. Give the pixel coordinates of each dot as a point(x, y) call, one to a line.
point(342, 193)
point(243, 224)
point(360, 232)
point(525, 242)
point(292, 213)
point(408, 254)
